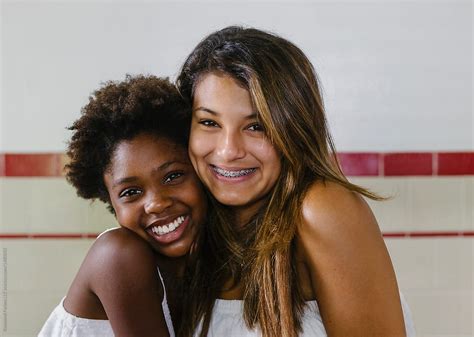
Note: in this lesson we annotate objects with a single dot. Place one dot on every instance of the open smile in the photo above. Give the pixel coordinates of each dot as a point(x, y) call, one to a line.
point(169, 232)
point(165, 229)
point(238, 173)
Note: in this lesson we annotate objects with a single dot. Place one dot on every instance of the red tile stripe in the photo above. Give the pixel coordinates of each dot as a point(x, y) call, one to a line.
point(408, 164)
point(352, 163)
point(387, 235)
point(460, 163)
point(359, 164)
point(32, 165)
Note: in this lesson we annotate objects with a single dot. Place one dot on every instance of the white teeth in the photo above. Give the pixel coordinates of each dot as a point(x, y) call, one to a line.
point(165, 229)
point(232, 174)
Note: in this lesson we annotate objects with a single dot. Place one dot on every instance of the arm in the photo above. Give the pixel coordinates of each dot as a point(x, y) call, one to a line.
point(350, 269)
point(120, 270)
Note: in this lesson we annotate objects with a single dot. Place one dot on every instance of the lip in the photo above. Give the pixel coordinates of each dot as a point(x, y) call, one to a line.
point(232, 179)
point(171, 236)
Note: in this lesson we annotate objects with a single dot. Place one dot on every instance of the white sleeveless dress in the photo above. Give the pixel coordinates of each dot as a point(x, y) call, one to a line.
point(227, 320)
point(63, 324)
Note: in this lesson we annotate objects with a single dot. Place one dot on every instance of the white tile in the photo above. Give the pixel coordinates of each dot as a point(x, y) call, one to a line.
point(42, 264)
point(16, 204)
point(27, 311)
point(49, 205)
point(38, 274)
point(414, 262)
point(99, 218)
point(470, 203)
point(56, 207)
point(423, 203)
point(440, 203)
point(442, 312)
point(442, 335)
point(2, 206)
point(454, 263)
point(392, 214)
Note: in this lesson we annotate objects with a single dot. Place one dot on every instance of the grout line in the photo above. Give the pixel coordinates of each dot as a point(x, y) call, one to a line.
point(381, 164)
point(435, 163)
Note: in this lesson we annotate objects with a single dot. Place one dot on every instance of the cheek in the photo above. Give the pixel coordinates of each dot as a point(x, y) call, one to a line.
point(122, 216)
point(199, 146)
point(267, 154)
point(196, 198)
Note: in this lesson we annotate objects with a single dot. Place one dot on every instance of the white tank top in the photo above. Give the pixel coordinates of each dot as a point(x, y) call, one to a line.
point(63, 324)
point(227, 320)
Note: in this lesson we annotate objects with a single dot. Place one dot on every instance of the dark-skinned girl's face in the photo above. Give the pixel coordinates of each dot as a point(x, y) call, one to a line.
point(155, 193)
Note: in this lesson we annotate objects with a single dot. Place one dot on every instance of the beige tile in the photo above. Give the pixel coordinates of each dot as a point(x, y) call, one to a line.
point(414, 262)
point(442, 335)
point(56, 207)
point(42, 264)
point(38, 274)
point(2, 187)
point(393, 214)
point(99, 217)
point(423, 203)
point(16, 204)
point(470, 203)
point(454, 263)
point(27, 311)
point(442, 312)
point(49, 205)
point(440, 203)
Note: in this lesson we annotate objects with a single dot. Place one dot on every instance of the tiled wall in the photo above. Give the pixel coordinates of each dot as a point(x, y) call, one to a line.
point(397, 82)
point(435, 270)
point(45, 231)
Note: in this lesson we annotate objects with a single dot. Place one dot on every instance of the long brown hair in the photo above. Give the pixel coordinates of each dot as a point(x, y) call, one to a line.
point(284, 89)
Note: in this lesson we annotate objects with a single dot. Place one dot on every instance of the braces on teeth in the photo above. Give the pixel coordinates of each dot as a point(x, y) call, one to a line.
point(233, 174)
point(160, 230)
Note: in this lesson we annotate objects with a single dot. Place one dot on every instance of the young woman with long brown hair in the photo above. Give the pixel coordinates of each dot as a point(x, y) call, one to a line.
point(287, 228)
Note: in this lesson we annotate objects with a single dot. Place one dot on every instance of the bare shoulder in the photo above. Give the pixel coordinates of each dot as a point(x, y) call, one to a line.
point(330, 209)
point(123, 275)
point(121, 243)
point(112, 253)
point(119, 250)
point(117, 259)
point(348, 263)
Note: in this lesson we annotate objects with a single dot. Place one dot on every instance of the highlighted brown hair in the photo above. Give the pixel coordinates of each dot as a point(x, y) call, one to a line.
point(284, 88)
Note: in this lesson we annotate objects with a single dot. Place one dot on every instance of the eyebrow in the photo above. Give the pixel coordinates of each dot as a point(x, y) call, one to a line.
point(253, 115)
point(131, 179)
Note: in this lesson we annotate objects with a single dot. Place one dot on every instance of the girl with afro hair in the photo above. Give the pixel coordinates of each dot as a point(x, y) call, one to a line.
point(129, 150)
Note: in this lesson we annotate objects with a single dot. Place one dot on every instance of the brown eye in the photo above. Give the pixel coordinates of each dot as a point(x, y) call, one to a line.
point(172, 176)
point(256, 127)
point(130, 192)
point(208, 123)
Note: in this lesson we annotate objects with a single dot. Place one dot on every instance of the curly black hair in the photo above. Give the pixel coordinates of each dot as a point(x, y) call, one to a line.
point(120, 111)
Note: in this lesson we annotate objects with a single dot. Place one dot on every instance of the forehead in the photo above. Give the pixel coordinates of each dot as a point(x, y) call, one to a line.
point(145, 149)
point(220, 90)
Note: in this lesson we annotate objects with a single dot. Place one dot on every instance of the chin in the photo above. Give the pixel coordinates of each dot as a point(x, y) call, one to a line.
point(233, 201)
point(175, 252)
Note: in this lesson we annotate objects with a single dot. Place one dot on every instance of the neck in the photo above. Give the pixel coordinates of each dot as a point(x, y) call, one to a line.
point(172, 266)
point(243, 214)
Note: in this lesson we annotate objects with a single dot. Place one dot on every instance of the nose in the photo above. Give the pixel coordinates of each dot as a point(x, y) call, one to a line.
point(230, 146)
point(157, 203)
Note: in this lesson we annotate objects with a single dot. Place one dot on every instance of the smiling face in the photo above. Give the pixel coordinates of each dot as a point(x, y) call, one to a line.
point(228, 147)
point(155, 193)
